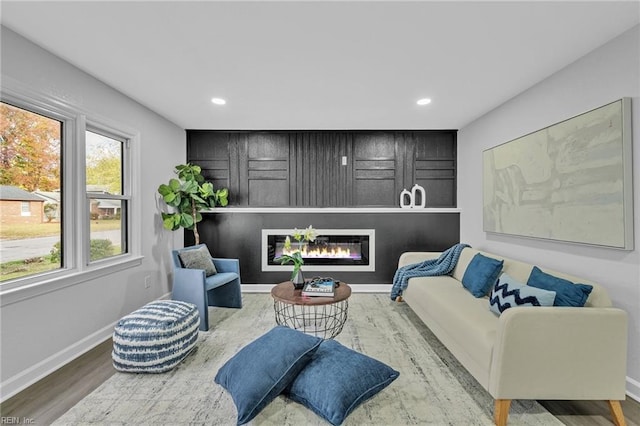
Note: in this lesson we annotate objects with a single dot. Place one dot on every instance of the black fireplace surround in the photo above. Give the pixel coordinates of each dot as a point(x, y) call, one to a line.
point(235, 233)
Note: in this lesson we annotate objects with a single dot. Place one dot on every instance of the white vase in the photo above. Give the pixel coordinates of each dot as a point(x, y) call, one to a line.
point(406, 199)
point(418, 193)
point(298, 280)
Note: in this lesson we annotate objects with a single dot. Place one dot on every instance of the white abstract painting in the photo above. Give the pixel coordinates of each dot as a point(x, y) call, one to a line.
point(570, 181)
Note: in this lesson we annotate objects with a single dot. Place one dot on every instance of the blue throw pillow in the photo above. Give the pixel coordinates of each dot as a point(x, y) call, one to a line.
point(508, 292)
point(567, 293)
point(257, 374)
point(337, 380)
point(481, 274)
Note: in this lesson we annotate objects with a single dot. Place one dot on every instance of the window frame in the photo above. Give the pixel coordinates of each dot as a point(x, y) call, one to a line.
point(76, 266)
point(26, 204)
point(125, 197)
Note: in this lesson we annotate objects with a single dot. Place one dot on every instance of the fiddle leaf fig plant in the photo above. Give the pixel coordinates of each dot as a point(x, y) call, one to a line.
point(188, 195)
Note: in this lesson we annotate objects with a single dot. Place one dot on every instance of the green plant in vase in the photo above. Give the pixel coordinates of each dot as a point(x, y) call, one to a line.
point(293, 255)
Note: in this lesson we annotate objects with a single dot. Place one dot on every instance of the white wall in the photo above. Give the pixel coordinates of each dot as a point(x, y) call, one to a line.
point(604, 75)
point(41, 333)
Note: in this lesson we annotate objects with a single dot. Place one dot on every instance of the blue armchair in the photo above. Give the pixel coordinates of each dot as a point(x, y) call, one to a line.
point(193, 286)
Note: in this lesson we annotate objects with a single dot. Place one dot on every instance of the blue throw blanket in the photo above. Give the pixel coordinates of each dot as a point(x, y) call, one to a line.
point(443, 265)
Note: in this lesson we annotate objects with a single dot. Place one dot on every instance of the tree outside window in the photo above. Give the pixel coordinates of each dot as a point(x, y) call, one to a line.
point(30, 159)
point(107, 200)
point(34, 239)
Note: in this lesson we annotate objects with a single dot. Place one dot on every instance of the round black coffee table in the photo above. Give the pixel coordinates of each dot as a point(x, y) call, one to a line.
point(319, 316)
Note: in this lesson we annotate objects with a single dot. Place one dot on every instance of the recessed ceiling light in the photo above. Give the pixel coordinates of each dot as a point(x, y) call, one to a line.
point(424, 101)
point(218, 101)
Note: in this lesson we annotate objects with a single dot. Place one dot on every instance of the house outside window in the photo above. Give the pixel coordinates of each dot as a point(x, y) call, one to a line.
point(30, 156)
point(66, 183)
point(107, 196)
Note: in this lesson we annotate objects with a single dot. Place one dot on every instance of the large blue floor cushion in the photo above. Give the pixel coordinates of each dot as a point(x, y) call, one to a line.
point(156, 337)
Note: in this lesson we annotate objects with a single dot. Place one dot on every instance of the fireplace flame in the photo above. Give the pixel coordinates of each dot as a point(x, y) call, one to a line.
point(336, 252)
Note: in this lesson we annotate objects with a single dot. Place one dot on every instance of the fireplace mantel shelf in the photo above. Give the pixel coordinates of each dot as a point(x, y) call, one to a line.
point(350, 210)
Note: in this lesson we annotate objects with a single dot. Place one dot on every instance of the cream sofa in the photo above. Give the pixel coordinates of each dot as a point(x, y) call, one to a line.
point(564, 353)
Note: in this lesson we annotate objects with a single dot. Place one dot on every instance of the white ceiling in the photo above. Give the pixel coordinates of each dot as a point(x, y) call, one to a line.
point(320, 65)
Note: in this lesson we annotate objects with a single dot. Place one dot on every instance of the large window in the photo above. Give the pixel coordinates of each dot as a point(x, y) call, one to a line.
point(65, 193)
point(30, 155)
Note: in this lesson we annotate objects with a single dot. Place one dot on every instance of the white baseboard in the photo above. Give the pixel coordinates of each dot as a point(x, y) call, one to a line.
point(37, 372)
point(26, 378)
point(355, 288)
point(633, 389)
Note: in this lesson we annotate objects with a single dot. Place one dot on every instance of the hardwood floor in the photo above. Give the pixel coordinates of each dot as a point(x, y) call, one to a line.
point(45, 401)
point(48, 399)
point(591, 413)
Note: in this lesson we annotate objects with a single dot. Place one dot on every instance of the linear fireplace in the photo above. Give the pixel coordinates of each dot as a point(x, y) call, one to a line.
point(332, 250)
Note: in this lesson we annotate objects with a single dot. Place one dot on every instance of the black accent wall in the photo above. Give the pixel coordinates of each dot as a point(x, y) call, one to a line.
point(296, 169)
point(305, 168)
point(238, 235)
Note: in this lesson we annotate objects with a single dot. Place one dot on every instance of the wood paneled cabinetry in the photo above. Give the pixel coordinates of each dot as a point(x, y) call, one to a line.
point(327, 168)
point(265, 169)
point(433, 166)
point(377, 169)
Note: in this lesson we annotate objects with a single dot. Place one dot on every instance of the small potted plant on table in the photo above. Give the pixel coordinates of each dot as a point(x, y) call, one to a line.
point(294, 255)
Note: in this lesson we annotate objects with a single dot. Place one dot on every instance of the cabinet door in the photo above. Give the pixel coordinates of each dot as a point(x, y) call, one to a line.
point(434, 167)
point(264, 170)
point(211, 151)
point(377, 173)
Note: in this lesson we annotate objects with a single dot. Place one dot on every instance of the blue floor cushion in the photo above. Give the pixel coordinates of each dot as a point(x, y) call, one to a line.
point(337, 380)
point(156, 337)
point(260, 371)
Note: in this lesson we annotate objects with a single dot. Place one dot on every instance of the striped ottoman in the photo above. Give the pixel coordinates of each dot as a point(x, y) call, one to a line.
point(156, 337)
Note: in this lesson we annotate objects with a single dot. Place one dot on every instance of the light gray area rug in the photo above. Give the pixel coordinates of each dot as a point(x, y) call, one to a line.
point(433, 388)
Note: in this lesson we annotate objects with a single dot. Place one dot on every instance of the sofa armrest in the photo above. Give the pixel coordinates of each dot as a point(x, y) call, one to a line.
point(227, 265)
point(411, 257)
point(560, 353)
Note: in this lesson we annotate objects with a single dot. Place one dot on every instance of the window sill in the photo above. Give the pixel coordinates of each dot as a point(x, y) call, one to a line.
point(352, 210)
point(18, 292)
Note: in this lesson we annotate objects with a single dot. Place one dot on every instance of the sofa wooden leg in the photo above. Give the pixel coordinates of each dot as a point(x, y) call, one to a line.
point(501, 411)
point(616, 413)
point(399, 299)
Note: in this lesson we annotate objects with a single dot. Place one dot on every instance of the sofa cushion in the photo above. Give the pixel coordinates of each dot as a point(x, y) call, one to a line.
point(463, 261)
point(465, 317)
point(338, 380)
point(481, 274)
point(260, 371)
point(567, 293)
point(507, 293)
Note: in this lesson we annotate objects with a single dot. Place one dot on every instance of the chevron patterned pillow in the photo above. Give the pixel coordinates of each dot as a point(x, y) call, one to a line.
point(507, 293)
